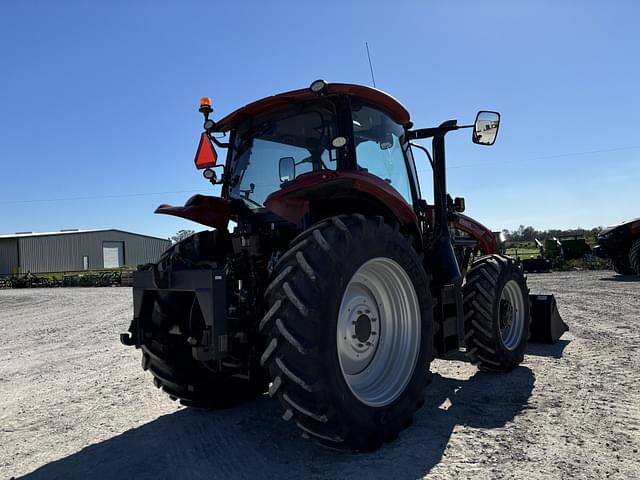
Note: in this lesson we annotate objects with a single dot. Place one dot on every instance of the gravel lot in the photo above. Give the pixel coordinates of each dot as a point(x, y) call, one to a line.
point(74, 403)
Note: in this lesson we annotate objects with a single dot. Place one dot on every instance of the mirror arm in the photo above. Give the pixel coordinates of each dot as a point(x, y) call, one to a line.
point(442, 129)
point(421, 133)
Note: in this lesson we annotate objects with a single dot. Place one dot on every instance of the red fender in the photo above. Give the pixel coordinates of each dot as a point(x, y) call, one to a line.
point(211, 211)
point(292, 202)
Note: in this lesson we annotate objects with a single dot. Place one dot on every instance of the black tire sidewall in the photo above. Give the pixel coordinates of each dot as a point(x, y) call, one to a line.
point(511, 271)
point(352, 410)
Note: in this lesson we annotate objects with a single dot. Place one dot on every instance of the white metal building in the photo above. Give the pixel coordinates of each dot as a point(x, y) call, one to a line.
point(76, 250)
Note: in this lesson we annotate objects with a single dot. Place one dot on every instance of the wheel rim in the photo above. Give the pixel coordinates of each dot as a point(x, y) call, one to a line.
point(512, 315)
point(378, 334)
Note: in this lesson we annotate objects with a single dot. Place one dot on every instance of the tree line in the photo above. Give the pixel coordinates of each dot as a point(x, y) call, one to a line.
point(529, 233)
point(522, 234)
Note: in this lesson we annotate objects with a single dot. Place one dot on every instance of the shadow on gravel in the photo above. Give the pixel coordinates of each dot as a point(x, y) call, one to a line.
point(622, 278)
point(252, 442)
point(553, 350)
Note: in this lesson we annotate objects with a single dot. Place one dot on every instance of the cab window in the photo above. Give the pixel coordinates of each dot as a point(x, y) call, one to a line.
point(303, 134)
point(379, 150)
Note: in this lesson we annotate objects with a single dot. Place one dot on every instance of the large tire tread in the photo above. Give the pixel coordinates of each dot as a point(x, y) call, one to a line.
point(634, 256)
point(189, 381)
point(291, 324)
point(482, 337)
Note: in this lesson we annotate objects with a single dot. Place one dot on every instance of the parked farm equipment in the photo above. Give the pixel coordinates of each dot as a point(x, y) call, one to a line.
point(538, 264)
point(28, 280)
point(621, 245)
point(88, 279)
point(339, 284)
point(554, 252)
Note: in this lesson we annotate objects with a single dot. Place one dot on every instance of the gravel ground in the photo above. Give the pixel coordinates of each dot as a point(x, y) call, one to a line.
point(74, 403)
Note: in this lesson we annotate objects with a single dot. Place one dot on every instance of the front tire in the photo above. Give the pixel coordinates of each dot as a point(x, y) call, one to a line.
point(349, 332)
point(497, 313)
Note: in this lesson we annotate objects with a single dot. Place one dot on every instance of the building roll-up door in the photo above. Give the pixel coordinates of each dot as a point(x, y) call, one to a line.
point(113, 254)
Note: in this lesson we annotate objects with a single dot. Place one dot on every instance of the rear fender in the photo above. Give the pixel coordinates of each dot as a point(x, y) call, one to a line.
point(317, 195)
point(210, 211)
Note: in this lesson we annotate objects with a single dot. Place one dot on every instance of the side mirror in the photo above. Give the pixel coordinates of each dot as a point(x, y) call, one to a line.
point(485, 129)
point(458, 204)
point(287, 169)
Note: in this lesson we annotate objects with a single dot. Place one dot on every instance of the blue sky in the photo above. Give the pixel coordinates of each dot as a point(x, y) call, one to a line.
point(98, 100)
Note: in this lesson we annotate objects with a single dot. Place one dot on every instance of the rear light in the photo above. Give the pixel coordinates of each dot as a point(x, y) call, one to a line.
point(206, 155)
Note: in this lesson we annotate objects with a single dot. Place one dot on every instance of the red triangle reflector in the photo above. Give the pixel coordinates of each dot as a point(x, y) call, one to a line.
point(206, 155)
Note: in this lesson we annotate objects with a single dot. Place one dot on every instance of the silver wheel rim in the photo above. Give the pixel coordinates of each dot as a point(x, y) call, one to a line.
point(378, 333)
point(512, 315)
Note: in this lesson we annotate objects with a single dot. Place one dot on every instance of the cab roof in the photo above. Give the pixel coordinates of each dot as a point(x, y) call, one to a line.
point(370, 95)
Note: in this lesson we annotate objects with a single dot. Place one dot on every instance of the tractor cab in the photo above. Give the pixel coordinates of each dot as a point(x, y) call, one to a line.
point(336, 128)
point(328, 130)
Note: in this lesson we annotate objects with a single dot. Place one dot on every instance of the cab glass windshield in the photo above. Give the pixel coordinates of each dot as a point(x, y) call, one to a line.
point(304, 134)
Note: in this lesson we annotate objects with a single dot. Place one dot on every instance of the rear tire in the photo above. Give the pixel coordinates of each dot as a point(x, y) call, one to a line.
point(634, 257)
point(348, 368)
point(170, 362)
point(497, 313)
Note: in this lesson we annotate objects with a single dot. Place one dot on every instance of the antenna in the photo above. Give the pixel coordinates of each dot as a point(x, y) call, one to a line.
point(370, 66)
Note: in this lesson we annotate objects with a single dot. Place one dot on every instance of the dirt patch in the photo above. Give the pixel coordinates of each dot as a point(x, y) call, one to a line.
point(74, 403)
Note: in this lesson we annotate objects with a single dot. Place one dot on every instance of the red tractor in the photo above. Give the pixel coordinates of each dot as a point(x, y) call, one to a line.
point(338, 284)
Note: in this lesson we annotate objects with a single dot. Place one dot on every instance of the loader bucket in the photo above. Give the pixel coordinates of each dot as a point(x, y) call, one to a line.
point(546, 324)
